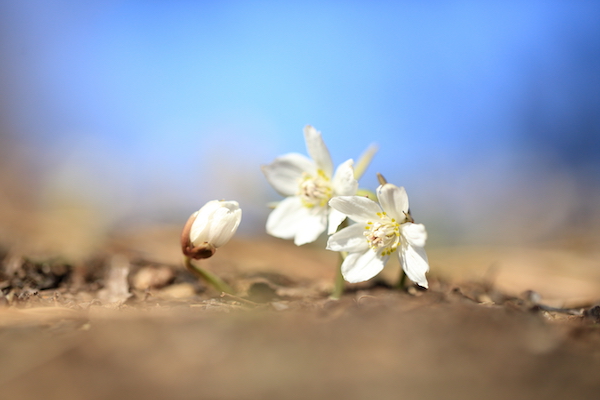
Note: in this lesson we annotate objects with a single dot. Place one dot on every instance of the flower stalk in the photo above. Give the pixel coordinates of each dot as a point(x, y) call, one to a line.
point(340, 283)
point(208, 276)
point(402, 279)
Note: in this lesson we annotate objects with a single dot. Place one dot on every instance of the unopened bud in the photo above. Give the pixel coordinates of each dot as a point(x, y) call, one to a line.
point(209, 228)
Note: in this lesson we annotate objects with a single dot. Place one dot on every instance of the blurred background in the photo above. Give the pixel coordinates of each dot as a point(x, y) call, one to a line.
point(125, 114)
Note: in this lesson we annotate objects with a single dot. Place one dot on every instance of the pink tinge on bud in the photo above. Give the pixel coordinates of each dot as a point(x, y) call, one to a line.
point(205, 250)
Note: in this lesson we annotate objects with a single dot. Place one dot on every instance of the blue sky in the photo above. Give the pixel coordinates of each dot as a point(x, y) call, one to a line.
point(164, 105)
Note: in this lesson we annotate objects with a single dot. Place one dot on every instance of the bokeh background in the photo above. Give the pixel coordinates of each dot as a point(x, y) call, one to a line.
point(124, 114)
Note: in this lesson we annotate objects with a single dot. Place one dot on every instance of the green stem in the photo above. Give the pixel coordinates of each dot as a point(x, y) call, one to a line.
point(338, 289)
point(209, 277)
point(402, 280)
point(340, 284)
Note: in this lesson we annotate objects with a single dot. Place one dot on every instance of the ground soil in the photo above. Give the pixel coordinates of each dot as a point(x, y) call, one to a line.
point(128, 321)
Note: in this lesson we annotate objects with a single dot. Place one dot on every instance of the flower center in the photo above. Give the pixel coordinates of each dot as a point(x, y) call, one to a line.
point(383, 234)
point(315, 190)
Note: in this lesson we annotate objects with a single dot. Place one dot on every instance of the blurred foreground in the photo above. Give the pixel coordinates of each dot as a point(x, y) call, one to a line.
point(376, 345)
point(127, 321)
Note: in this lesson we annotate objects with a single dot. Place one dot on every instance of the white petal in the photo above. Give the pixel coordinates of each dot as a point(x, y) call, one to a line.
point(360, 209)
point(364, 160)
point(292, 220)
point(284, 220)
point(317, 150)
point(393, 200)
point(335, 219)
point(350, 239)
point(313, 225)
point(216, 222)
point(200, 229)
point(414, 262)
point(415, 234)
point(197, 231)
point(285, 172)
point(224, 226)
point(359, 267)
point(344, 183)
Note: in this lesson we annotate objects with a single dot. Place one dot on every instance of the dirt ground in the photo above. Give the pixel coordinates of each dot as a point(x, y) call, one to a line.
point(128, 321)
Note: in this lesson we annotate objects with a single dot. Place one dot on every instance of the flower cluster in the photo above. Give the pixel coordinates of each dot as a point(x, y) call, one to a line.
point(317, 198)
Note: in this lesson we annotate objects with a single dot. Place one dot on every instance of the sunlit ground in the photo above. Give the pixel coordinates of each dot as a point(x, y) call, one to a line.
point(158, 332)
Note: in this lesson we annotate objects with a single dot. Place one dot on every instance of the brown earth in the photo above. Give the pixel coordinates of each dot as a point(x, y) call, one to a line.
point(127, 321)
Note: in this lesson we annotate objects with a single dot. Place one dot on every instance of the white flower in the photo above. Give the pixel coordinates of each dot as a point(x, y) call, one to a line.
point(210, 227)
point(381, 230)
point(308, 185)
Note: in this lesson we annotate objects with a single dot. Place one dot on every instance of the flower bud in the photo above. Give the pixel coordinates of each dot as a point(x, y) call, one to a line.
point(210, 227)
